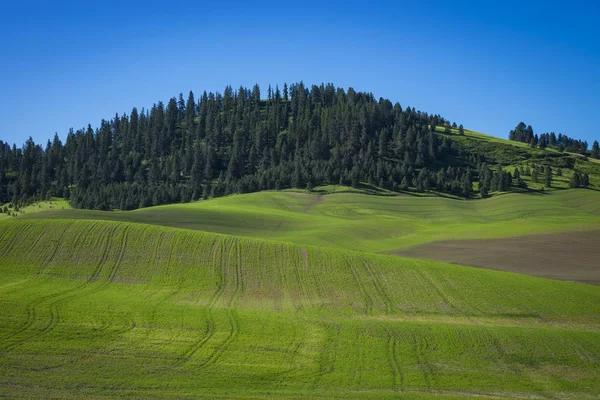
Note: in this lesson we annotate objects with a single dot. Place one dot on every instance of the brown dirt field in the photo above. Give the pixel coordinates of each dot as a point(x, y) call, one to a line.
point(565, 256)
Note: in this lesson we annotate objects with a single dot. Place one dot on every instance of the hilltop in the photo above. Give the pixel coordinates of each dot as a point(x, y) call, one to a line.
point(301, 137)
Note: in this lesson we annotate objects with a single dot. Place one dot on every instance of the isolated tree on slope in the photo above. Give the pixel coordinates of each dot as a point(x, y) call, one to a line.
point(548, 177)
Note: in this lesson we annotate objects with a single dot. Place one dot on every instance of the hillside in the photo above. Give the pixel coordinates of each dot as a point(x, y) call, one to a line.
point(233, 246)
point(508, 232)
point(301, 137)
point(101, 309)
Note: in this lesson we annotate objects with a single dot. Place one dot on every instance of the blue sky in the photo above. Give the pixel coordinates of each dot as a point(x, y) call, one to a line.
point(487, 65)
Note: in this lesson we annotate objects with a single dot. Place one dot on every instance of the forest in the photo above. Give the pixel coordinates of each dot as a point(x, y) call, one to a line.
point(524, 133)
point(241, 142)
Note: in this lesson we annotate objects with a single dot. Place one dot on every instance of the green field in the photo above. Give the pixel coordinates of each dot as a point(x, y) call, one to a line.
point(282, 295)
point(39, 206)
point(101, 309)
point(368, 223)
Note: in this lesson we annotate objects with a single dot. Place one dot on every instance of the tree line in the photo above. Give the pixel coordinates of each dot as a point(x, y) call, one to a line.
point(239, 142)
point(524, 133)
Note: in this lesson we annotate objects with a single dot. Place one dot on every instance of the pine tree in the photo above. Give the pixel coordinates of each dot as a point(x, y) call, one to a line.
point(575, 180)
point(467, 186)
point(305, 137)
point(404, 184)
point(548, 177)
point(529, 134)
point(585, 180)
point(596, 150)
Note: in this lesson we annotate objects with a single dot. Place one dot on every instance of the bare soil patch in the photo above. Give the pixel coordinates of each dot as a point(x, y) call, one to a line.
point(571, 256)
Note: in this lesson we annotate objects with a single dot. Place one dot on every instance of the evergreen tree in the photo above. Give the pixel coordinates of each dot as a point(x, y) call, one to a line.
point(595, 150)
point(303, 137)
point(575, 180)
point(585, 180)
point(467, 186)
point(404, 184)
point(548, 177)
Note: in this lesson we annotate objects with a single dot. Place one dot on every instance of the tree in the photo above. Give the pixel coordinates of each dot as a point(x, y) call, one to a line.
point(596, 150)
point(467, 186)
point(190, 115)
point(404, 184)
point(518, 134)
point(483, 190)
point(585, 180)
point(309, 136)
point(548, 177)
point(533, 141)
point(575, 180)
point(529, 134)
point(534, 175)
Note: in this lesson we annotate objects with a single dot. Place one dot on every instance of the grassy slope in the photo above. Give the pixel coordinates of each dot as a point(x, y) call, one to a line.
point(39, 206)
point(96, 308)
point(369, 223)
point(510, 154)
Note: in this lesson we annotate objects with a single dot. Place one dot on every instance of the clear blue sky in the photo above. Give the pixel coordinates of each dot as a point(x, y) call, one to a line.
point(487, 65)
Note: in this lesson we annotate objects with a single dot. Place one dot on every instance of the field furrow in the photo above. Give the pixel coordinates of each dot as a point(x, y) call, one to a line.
point(133, 309)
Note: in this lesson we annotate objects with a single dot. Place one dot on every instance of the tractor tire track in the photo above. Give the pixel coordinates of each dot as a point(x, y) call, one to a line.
point(210, 323)
point(112, 273)
point(397, 372)
point(49, 259)
point(361, 286)
point(290, 372)
point(59, 297)
point(303, 296)
point(110, 336)
point(32, 306)
point(440, 292)
point(327, 360)
point(37, 239)
point(23, 232)
point(420, 347)
point(387, 301)
point(234, 328)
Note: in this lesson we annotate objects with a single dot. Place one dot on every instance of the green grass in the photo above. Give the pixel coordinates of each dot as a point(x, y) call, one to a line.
point(510, 154)
point(52, 204)
point(110, 309)
point(368, 223)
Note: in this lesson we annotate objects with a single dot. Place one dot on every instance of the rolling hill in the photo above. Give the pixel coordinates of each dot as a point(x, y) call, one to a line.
point(104, 309)
point(362, 222)
point(325, 259)
point(508, 232)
